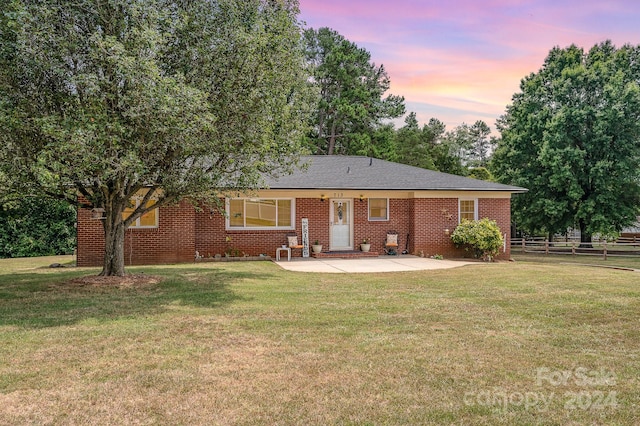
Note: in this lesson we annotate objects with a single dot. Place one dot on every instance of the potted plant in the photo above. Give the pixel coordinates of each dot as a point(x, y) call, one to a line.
point(365, 245)
point(316, 247)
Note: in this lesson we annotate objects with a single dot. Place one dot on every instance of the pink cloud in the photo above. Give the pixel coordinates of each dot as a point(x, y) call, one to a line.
point(467, 57)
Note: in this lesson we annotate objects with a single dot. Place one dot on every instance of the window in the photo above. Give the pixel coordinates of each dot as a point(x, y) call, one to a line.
point(468, 210)
point(260, 213)
point(147, 220)
point(378, 209)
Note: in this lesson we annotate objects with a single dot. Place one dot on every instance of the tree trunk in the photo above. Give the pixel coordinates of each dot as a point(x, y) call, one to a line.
point(320, 143)
point(585, 237)
point(332, 139)
point(113, 264)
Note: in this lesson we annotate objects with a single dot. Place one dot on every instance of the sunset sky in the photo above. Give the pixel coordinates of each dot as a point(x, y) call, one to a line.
point(462, 60)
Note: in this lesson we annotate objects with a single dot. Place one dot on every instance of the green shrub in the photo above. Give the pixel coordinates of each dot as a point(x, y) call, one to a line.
point(37, 227)
point(481, 173)
point(482, 236)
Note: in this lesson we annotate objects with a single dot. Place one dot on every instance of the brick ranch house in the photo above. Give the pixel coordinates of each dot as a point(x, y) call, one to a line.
point(337, 200)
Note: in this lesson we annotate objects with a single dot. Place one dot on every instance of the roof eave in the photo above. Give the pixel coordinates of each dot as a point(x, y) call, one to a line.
point(344, 188)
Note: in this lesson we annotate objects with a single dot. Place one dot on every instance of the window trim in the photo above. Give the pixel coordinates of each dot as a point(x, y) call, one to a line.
point(228, 226)
point(376, 219)
point(475, 208)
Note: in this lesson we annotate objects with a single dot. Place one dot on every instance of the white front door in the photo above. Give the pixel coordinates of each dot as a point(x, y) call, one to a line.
point(341, 223)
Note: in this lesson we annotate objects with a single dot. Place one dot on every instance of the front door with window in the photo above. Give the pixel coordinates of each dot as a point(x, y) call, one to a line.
point(341, 224)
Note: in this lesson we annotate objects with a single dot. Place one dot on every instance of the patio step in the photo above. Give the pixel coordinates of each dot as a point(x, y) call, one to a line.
point(354, 254)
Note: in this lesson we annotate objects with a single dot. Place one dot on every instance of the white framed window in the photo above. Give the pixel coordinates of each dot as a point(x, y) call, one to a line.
point(467, 209)
point(378, 209)
point(263, 213)
point(147, 220)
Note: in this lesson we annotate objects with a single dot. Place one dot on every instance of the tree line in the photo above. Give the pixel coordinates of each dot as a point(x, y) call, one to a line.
point(571, 135)
point(352, 114)
point(110, 100)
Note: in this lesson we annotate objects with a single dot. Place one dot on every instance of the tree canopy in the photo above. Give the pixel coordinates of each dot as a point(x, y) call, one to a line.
point(456, 151)
point(351, 102)
point(481, 144)
point(415, 145)
point(572, 136)
point(109, 99)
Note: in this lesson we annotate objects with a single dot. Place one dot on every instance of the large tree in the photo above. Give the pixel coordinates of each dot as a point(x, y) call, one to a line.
point(572, 136)
point(155, 98)
point(482, 144)
point(351, 90)
point(415, 145)
point(472, 145)
point(432, 147)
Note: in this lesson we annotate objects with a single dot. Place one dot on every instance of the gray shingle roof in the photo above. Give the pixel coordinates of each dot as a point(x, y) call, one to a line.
point(356, 172)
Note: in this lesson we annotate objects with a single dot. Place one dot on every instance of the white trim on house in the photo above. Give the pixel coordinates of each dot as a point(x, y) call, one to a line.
point(357, 194)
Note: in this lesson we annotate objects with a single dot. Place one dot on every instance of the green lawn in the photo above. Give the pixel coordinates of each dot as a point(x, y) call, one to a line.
point(523, 342)
point(632, 262)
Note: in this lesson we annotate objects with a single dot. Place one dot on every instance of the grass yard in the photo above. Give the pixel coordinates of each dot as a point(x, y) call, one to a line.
point(632, 262)
point(246, 343)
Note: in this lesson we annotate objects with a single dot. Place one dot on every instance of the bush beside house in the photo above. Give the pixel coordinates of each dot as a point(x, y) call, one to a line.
point(482, 237)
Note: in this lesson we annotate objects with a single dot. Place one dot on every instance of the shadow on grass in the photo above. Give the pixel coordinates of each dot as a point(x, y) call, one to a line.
point(34, 300)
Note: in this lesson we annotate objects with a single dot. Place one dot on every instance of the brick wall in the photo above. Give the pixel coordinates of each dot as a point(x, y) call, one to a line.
point(318, 214)
point(211, 235)
point(90, 240)
point(431, 217)
point(498, 209)
point(376, 231)
point(171, 242)
point(183, 230)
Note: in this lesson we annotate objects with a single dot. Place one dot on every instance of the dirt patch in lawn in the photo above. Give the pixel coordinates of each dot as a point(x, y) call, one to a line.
point(128, 281)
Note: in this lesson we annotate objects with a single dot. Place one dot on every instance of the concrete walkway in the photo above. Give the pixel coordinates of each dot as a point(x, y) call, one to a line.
point(371, 265)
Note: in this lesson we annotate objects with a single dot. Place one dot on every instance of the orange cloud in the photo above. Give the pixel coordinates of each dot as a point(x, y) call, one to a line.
point(466, 58)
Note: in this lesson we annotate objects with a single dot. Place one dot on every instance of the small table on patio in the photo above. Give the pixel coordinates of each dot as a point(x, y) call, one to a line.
point(287, 249)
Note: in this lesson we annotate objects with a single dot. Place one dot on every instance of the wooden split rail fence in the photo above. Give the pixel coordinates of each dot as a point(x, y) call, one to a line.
point(623, 247)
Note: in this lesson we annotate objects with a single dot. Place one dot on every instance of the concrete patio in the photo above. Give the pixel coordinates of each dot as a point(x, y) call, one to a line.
point(369, 265)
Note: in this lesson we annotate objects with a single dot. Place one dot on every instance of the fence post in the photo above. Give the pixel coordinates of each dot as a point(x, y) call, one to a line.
point(524, 245)
point(546, 246)
point(573, 248)
point(604, 252)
